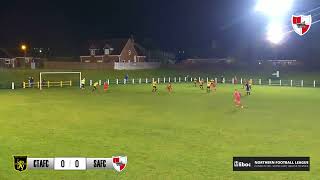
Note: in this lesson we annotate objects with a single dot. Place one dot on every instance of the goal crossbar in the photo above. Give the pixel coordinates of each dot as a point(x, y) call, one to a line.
point(42, 73)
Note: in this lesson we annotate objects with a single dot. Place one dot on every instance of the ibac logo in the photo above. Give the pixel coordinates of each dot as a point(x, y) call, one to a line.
point(241, 164)
point(235, 164)
point(119, 162)
point(301, 24)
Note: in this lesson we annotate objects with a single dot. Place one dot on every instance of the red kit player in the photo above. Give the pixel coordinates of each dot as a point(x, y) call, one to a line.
point(105, 86)
point(237, 98)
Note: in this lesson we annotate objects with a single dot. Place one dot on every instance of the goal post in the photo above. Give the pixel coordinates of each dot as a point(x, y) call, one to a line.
point(43, 73)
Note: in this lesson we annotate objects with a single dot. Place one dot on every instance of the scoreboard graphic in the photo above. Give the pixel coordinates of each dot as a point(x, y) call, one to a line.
point(117, 163)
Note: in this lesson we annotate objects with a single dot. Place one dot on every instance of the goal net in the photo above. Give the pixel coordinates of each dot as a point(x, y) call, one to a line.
point(59, 79)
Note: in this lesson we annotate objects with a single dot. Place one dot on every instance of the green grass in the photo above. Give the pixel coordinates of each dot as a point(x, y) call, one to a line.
point(186, 135)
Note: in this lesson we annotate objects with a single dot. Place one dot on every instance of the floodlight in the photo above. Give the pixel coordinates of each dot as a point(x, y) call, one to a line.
point(274, 8)
point(275, 33)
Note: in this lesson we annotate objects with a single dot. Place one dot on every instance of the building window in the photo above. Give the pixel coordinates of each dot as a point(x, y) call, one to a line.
point(92, 52)
point(106, 51)
point(7, 61)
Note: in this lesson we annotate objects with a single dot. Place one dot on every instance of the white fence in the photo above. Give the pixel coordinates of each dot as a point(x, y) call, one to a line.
point(136, 65)
point(267, 82)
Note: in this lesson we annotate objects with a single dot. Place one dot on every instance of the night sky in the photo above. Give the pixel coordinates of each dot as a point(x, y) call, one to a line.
point(171, 24)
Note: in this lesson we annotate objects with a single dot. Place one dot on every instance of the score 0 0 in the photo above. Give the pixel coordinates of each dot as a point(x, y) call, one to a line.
point(70, 163)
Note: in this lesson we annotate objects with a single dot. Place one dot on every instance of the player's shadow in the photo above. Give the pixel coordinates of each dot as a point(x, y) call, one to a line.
point(232, 110)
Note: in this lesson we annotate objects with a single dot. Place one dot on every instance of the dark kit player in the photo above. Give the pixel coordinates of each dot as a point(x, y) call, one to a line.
point(195, 81)
point(248, 88)
point(32, 82)
point(201, 84)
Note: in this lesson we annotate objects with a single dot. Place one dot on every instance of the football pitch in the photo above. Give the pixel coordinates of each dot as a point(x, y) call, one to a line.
point(189, 134)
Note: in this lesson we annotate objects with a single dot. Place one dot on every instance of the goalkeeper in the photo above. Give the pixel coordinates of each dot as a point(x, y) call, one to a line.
point(83, 82)
point(95, 85)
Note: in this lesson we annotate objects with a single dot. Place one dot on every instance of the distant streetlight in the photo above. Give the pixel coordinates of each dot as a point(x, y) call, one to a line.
point(24, 49)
